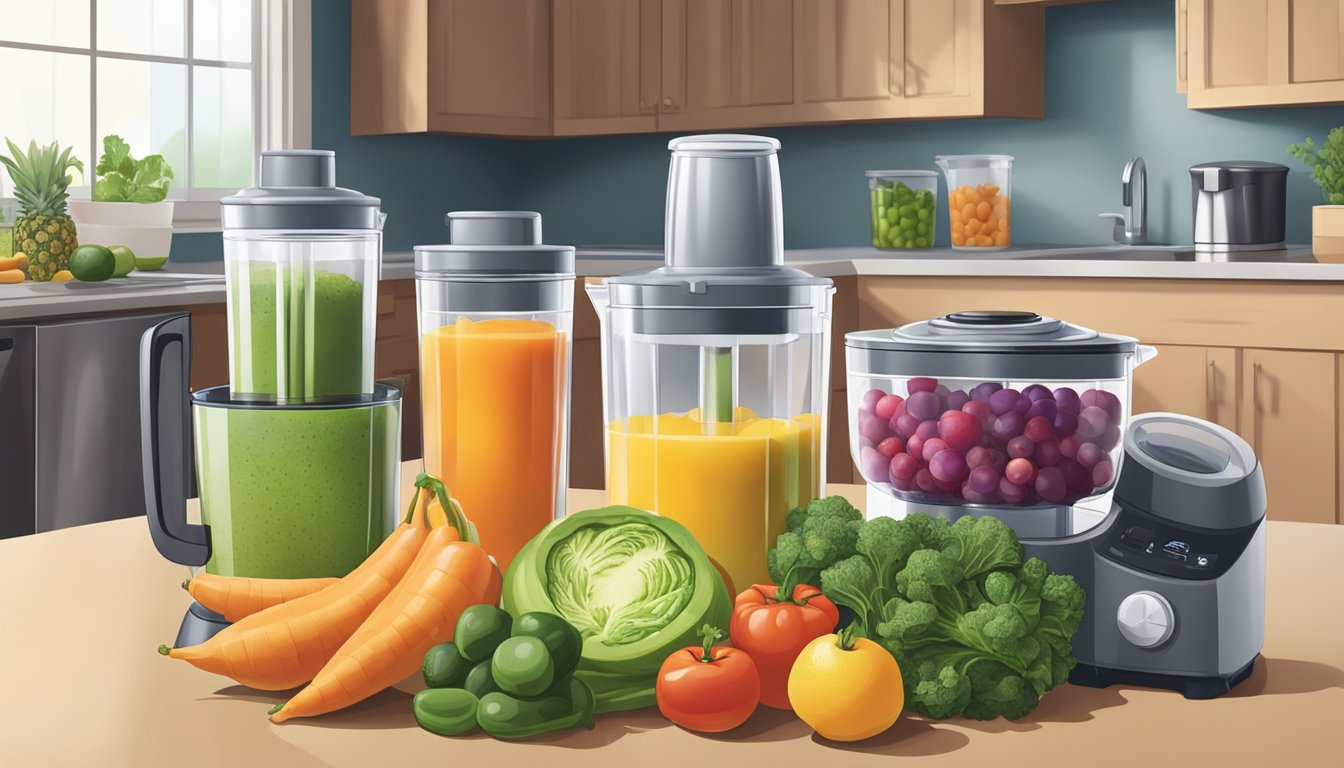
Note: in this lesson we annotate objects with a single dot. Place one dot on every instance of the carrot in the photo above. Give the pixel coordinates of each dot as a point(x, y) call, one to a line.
point(12, 276)
point(285, 645)
point(237, 597)
point(447, 577)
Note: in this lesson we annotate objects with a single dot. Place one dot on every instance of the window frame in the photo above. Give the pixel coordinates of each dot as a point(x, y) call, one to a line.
point(281, 71)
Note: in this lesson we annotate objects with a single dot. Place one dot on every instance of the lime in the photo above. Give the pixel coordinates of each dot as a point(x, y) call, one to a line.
point(150, 263)
point(125, 260)
point(92, 263)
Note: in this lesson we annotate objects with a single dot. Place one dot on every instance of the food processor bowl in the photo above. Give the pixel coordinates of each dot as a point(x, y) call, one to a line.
point(1009, 413)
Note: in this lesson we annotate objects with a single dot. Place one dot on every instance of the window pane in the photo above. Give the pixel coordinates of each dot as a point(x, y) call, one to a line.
point(146, 104)
point(223, 127)
point(54, 92)
point(46, 22)
point(142, 26)
point(223, 30)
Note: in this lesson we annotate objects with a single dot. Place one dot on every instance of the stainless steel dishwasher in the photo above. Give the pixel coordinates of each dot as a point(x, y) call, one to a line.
point(70, 422)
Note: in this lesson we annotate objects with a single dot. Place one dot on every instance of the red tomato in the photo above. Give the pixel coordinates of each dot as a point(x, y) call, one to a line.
point(774, 631)
point(709, 689)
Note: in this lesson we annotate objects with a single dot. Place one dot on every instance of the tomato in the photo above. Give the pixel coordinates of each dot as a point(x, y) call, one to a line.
point(709, 689)
point(773, 630)
point(846, 688)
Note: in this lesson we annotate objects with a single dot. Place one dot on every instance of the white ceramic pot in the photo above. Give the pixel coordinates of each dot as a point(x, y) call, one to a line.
point(1327, 232)
point(158, 214)
point(145, 241)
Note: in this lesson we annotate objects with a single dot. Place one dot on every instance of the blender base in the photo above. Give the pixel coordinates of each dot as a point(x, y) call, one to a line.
point(198, 625)
point(1191, 687)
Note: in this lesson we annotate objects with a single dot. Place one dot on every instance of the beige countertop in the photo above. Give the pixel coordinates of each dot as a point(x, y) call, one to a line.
point(28, 301)
point(81, 684)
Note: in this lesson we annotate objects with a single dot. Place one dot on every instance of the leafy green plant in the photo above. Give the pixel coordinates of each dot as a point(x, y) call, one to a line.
point(1326, 164)
point(123, 179)
point(978, 631)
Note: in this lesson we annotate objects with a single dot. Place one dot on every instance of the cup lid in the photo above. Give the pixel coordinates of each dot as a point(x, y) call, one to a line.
point(297, 190)
point(493, 243)
point(888, 174)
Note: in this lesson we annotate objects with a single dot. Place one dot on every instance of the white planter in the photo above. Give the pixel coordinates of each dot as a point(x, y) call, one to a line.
point(158, 214)
point(1327, 232)
point(145, 241)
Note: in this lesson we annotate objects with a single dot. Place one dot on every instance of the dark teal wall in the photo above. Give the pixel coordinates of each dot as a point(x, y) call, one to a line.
point(1110, 93)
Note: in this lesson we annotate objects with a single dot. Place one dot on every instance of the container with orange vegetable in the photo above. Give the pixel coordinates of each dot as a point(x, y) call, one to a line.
point(979, 200)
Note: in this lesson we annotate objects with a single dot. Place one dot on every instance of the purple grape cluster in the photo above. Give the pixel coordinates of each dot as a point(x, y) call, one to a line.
point(991, 444)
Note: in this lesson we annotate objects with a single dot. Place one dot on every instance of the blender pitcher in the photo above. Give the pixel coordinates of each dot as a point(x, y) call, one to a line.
point(496, 333)
point(715, 366)
point(301, 259)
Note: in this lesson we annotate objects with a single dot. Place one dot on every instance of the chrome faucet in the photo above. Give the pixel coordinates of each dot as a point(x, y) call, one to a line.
point(1131, 226)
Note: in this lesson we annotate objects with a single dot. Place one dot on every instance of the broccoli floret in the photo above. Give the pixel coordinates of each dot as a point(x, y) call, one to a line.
point(818, 535)
point(907, 622)
point(852, 583)
point(932, 689)
point(982, 545)
point(930, 576)
point(998, 690)
point(1062, 603)
point(887, 544)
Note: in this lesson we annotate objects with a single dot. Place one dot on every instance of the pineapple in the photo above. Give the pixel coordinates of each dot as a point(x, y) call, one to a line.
point(43, 230)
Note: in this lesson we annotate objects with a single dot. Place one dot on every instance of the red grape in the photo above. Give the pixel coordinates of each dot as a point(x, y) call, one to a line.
point(1036, 392)
point(979, 456)
point(873, 464)
point(904, 466)
point(871, 397)
point(1068, 446)
point(1102, 474)
point(957, 399)
point(1011, 492)
point(961, 430)
point(1020, 447)
point(886, 407)
point(903, 484)
point(1067, 399)
point(932, 447)
point(1065, 423)
point(1009, 425)
point(924, 479)
point(1110, 438)
point(921, 384)
point(906, 426)
point(915, 446)
point(983, 479)
point(1077, 477)
point(1089, 454)
point(1020, 471)
point(872, 427)
point(927, 429)
point(890, 447)
point(948, 466)
point(1003, 401)
point(923, 405)
point(982, 391)
point(1047, 453)
point(980, 411)
point(942, 392)
point(1044, 407)
point(1092, 422)
point(1103, 400)
point(1050, 484)
point(1038, 429)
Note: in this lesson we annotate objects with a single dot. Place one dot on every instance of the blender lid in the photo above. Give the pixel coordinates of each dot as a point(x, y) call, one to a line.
point(493, 244)
point(221, 396)
point(991, 345)
point(297, 190)
point(1191, 472)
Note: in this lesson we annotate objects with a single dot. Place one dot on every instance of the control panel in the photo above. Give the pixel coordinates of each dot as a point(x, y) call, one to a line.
point(1148, 543)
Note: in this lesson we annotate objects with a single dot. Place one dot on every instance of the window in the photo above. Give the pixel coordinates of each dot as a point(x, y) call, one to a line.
point(205, 83)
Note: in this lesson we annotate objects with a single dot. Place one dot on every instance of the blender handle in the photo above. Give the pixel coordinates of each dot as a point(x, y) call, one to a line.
point(165, 422)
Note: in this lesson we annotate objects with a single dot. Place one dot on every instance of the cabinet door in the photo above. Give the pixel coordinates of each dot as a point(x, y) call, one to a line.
point(388, 67)
point(1246, 53)
point(1289, 415)
point(489, 67)
point(606, 65)
point(727, 64)
point(849, 59)
point(944, 48)
point(1197, 381)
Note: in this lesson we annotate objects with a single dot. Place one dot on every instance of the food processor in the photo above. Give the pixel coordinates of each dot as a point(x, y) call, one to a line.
point(298, 459)
point(715, 366)
point(496, 311)
point(1027, 418)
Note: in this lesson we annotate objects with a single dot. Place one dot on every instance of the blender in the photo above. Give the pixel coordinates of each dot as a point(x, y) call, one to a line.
point(1027, 418)
point(715, 366)
point(297, 459)
point(496, 332)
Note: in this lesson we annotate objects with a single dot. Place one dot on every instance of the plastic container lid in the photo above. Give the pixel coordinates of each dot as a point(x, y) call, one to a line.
point(888, 174)
point(1191, 472)
point(493, 243)
point(991, 345)
point(958, 162)
point(297, 191)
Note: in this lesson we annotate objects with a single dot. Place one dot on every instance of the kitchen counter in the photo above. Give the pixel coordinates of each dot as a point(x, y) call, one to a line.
point(86, 607)
point(33, 300)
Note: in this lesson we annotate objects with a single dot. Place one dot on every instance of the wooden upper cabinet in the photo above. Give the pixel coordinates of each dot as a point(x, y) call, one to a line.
point(606, 65)
point(849, 63)
point(490, 67)
point(1247, 53)
point(727, 64)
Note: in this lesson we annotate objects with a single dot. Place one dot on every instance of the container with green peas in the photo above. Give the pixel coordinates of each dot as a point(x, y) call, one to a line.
point(903, 207)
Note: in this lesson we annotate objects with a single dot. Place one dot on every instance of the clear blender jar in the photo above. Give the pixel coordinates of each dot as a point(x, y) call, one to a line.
point(988, 412)
point(715, 366)
point(496, 336)
point(301, 261)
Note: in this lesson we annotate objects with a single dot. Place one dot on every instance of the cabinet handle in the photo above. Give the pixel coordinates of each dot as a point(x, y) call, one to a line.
point(1212, 391)
point(1255, 407)
point(669, 105)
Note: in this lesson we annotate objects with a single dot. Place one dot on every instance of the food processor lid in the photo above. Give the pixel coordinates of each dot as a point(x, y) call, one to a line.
point(297, 190)
point(724, 145)
point(494, 244)
point(1191, 472)
point(1243, 166)
point(991, 345)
